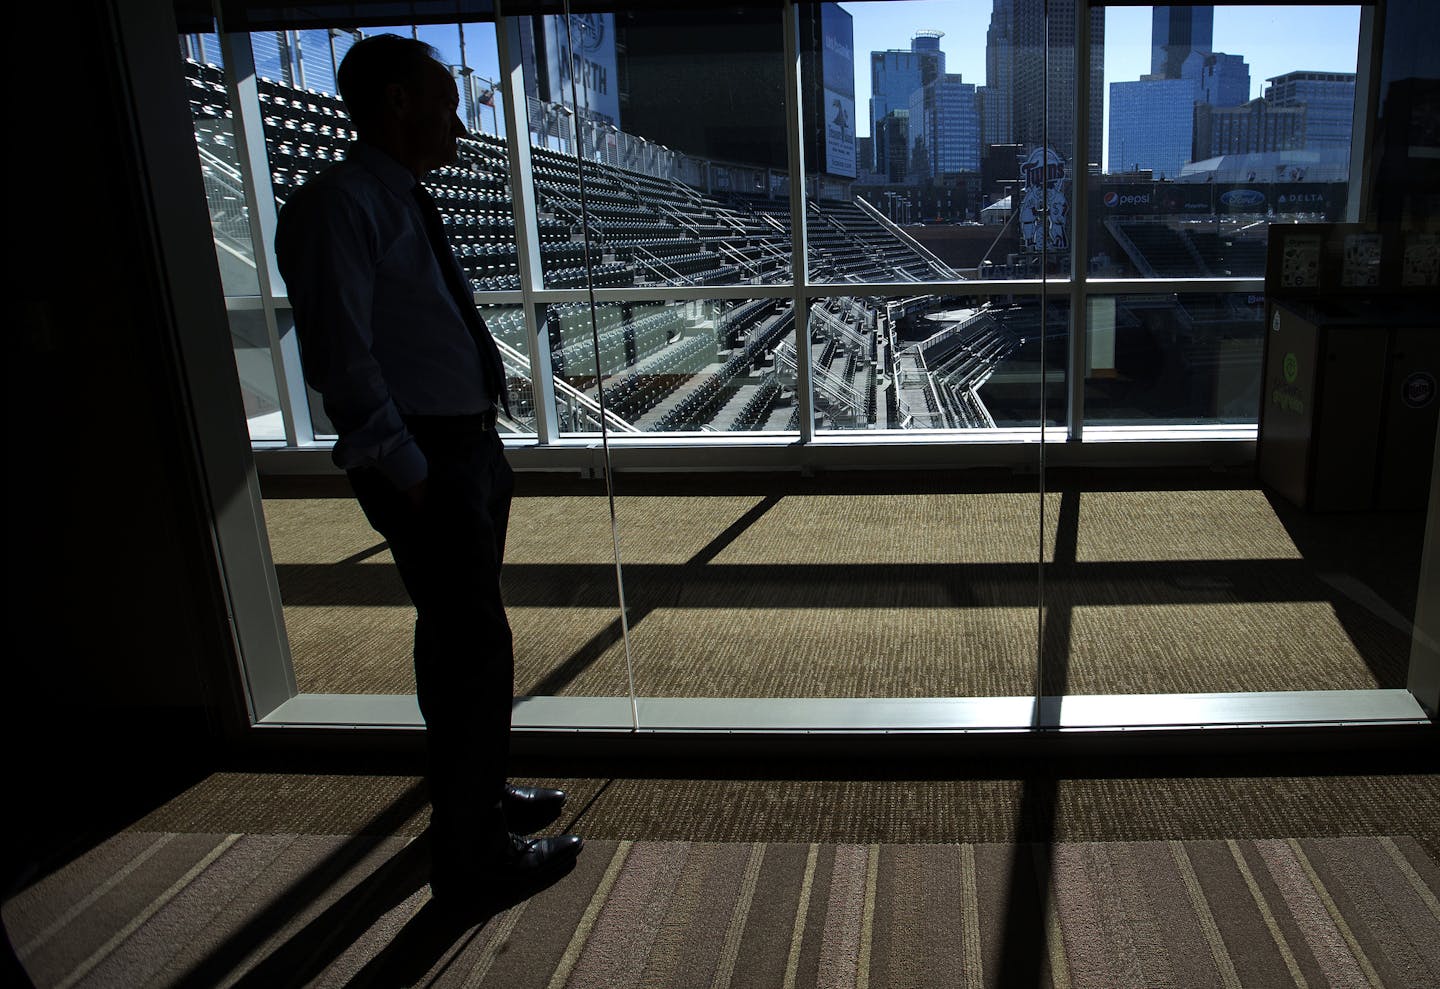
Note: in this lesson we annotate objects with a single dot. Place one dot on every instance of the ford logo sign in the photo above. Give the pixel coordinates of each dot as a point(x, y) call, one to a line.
point(1111, 198)
point(1240, 198)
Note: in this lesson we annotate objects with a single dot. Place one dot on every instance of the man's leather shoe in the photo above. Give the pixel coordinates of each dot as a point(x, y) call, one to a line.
point(539, 856)
point(530, 808)
point(522, 867)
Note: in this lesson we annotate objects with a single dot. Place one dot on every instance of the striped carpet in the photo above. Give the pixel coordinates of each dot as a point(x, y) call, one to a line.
point(167, 908)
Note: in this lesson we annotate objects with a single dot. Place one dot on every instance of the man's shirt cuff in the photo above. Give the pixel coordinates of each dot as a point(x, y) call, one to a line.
point(405, 466)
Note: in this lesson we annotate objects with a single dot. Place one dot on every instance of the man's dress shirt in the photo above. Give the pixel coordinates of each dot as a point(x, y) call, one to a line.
point(381, 335)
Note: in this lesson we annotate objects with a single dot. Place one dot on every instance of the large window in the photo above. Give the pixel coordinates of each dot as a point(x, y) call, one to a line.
point(1218, 122)
point(963, 162)
point(216, 145)
point(1039, 238)
point(657, 156)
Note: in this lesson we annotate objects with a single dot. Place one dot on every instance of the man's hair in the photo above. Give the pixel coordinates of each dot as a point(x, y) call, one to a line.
point(373, 63)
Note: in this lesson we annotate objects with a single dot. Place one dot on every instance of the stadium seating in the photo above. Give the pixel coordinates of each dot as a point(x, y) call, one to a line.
point(658, 369)
point(1166, 251)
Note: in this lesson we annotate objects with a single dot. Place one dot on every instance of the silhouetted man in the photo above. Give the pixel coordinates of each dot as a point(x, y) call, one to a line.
point(413, 382)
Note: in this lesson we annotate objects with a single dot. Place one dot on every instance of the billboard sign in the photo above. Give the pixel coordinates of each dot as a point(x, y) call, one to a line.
point(585, 55)
point(837, 70)
point(1127, 199)
point(1327, 198)
point(1219, 199)
point(1243, 200)
point(1044, 209)
point(839, 134)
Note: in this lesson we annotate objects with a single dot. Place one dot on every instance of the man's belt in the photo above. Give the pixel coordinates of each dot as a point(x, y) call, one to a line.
point(476, 422)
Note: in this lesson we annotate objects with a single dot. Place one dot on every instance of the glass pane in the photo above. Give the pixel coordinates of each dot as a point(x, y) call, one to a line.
point(938, 362)
point(507, 326)
point(1218, 122)
point(1168, 359)
point(256, 369)
point(215, 145)
point(307, 128)
point(348, 617)
point(677, 120)
point(938, 151)
point(860, 585)
point(1300, 573)
point(705, 366)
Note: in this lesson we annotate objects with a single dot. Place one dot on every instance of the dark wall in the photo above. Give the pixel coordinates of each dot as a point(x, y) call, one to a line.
point(114, 597)
point(1407, 142)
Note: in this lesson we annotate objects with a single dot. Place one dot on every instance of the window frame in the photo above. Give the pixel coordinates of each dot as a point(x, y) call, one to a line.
point(272, 701)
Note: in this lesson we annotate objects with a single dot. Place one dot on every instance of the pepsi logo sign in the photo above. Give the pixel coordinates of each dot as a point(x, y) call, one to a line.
point(1113, 199)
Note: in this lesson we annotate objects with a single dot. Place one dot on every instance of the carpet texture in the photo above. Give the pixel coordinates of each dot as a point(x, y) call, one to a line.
point(862, 588)
point(848, 811)
point(166, 908)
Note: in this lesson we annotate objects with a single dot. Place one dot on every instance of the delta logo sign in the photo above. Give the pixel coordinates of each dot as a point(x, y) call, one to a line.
point(1301, 202)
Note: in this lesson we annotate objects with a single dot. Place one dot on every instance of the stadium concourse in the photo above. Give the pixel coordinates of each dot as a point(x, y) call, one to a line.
point(719, 365)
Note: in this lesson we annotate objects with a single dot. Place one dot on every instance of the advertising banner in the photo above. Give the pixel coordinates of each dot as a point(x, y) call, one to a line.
point(839, 134)
point(1310, 197)
point(837, 60)
point(1044, 208)
point(587, 54)
point(1219, 199)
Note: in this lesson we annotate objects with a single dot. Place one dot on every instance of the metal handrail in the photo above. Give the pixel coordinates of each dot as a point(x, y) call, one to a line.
point(827, 380)
point(655, 263)
point(915, 245)
point(230, 226)
point(835, 323)
point(1128, 245)
point(521, 364)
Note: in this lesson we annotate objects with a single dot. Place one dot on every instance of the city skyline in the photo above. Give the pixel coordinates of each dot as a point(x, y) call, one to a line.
point(1294, 39)
point(1273, 40)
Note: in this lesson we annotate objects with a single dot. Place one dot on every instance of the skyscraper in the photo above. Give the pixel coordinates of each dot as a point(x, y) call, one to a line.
point(1020, 39)
point(1250, 128)
point(892, 144)
point(1175, 32)
point(1153, 118)
point(944, 128)
point(1150, 125)
point(894, 75)
point(997, 120)
point(1329, 102)
point(1220, 79)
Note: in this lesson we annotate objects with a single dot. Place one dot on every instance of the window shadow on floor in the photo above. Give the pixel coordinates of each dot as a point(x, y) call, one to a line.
point(305, 954)
point(1030, 928)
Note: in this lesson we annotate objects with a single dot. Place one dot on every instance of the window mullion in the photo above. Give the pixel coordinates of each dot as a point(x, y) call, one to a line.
point(1079, 227)
point(799, 245)
point(244, 94)
point(527, 231)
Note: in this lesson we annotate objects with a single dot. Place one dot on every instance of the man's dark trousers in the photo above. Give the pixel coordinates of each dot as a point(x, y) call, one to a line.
point(449, 554)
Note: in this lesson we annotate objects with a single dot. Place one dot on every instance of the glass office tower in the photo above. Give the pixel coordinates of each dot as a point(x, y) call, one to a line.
point(1175, 33)
point(894, 76)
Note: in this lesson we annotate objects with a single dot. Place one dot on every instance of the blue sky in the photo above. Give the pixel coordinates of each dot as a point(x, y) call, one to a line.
point(1273, 40)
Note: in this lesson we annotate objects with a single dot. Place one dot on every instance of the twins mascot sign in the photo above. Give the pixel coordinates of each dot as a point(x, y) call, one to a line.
point(1044, 210)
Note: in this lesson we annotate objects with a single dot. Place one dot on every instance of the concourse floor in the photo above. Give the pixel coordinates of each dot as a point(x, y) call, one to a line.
point(882, 584)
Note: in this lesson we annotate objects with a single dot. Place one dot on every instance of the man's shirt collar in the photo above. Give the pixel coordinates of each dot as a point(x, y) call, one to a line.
point(395, 176)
